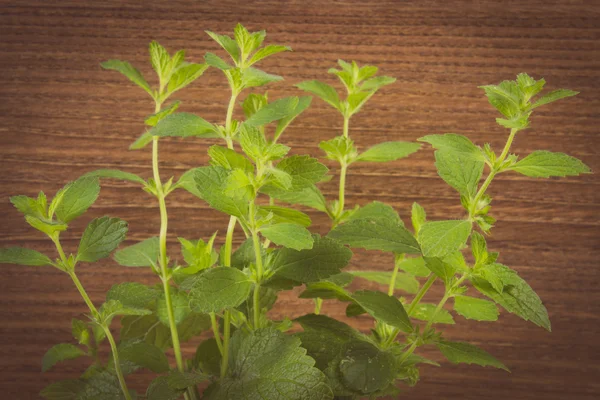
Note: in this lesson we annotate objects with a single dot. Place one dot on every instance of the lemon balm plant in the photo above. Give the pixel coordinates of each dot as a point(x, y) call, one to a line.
point(252, 179)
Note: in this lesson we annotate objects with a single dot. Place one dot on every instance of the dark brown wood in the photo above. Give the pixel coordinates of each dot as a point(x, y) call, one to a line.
point(61, 116)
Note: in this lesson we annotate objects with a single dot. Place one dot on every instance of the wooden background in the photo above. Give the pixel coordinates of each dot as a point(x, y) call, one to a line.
point(61, 116)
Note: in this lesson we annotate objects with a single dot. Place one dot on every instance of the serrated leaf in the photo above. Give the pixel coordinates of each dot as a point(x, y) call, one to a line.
point(144, 355)
point(160, 389)
point(303, 104)
point(182, 380)
point(267, 51)
point(327, 257)
point(459, 352)
point(23, 256)
point(60, 352)
point(274, 111)
point(322, 90)
point(284, 215)
point(63, 390)
point(462, 173)
point(405, 282)
point(142, 254)
point(133, 294)
point(215, 61)
point(229, 159)
point(45, 226)
point(100, 238)
point(112, 308)
point(388, 151)
point(192, 326)
point(477, 309)
point(218, 289)
point(146, 328)
point(304, 170)
point(505, 97)
point(252, 77)
point(553, 96)
point(440, 268)
point(227, 43)
point(209, 183)
point(414, 266)
point(185, 75)
point(376, 210)
point(418, 217)
point(184, 125)
point(376, 83)
point(291, 236)
point(544, 164)
point(102, 385)
point(155, 118)
point(426, 311)
point(440, 238)
point(130, 72)
point(310, 196)
point(116, 174)
point(383, 308)
point(180, 305)
point(517, 297)
point(160, 60)
point(325, 290)
point(80, 331)
point(366, 369)
point(141, 142)
point(77, 197)
point(376, 234)
point(458, 144)
point(30, 207)
point(268, 364)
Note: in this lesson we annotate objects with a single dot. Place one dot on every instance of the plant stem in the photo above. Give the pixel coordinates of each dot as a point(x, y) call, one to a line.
point(318, 305)
point(346, 126)
point(163, 256)
point(215, 328)
point(226, 335)
point(229, 242)
point(398, 259)
point(342, 192)
point(115, 354)
point(229, 117)
point(494, 170)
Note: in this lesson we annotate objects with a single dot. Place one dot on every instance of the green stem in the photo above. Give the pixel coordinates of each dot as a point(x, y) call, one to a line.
point(447, 295)
point(407, 353)
point(346, 126)
point(226, 335)
point(258, 263)
point(342, 193)
point(256, 305)
point(398, 259)
point(215, 329)
point(494, 170)
point(163, 257)
point(229, 242)
point(318, 305)
point(115, 354)
point(229, 117)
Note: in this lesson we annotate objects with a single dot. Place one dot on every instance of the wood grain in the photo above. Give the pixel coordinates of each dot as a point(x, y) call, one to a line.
point(61, 116)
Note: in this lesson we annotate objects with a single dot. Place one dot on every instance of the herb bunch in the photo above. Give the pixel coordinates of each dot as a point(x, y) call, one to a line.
point(251, 178)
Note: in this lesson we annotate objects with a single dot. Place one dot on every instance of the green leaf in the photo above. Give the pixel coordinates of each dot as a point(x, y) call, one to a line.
point(80, 331)
point(274, 111)
point(253, 77)
point(154, 119)
point(517, 297)
point(31, 207)
point(146, 328)
point(229, 159)
point(440, 238)
point(323, 91)
point(388, 151)
point(270, 365)
point(60, 352)
point(144, 355)
point(130, 72)
point(459, 352)
point(142, 254)
point(228, 44)
point(77, 197)
point(376, 210)
point(505, 97)
point(218, 289)
point(366, 369)
point(405, 282)
point(112, 308)
point(117, 174)
point(100, 238)
point(48, 228)
point(23, 256)
point(180, 305)
point(310, 196)
point(377, 83)
point(427, 312)
point(339, 149)
point(63, 390)
point(267, 51)
point(553, 96)
point(185, 75)
point(477, 309)
point(383, 308)
point(440, 268)
point(184, 125)
point(197, 254)
point(544, 164)
point(208, 357)
point(418, 217)
point(284, 215)
point(215, 61)
point(192, 326)
point(303, 103)
point(291, 236)
point(141, 142)
point(182, 380)
point(133, 294)
point(210, 184)
point(325, 290)
point(326, 258)
point(463, 174)
point(376, 234)
point(304, 170)
point(457, 144)
point(160, 60)
point(160, 389)
point(102, 385)
point(415, 266)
